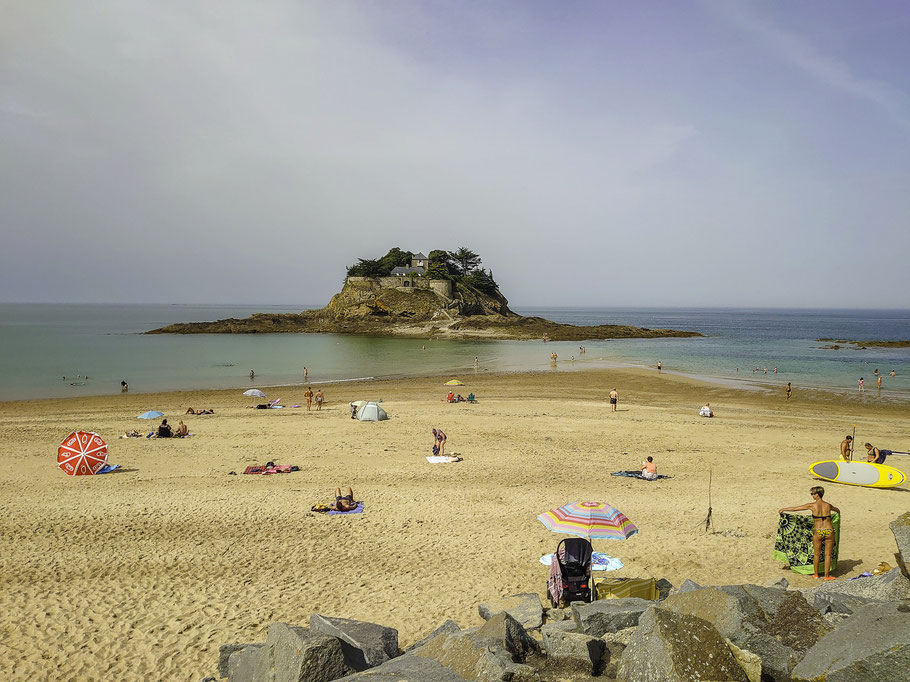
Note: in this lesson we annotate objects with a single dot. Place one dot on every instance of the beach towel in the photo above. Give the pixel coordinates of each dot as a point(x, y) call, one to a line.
point(599, 562)
point(793, 544)
point(443, 459)
point(356, 510)
point(637, 474)
point(107, 468)
point(554, 582)
point(254, 470)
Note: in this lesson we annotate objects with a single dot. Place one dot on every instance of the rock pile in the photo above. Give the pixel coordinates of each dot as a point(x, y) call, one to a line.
point(842, 631)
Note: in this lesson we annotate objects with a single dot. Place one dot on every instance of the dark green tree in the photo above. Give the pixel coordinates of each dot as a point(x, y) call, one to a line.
point(483, 281)
point(466, 260)
point(368, 268)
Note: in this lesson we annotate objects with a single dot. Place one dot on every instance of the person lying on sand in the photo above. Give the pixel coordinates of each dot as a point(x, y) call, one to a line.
point(190, 410)
point(343, 502)
point(706, 411)
point(824, 531)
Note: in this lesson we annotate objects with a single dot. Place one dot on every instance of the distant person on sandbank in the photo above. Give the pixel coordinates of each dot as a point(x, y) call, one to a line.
point(862, 389)
point(846, 448)
point(659, 367)
point(824, 530)
point(124, 387)
point(306, 373)
point(614, 398)
point(789, 390)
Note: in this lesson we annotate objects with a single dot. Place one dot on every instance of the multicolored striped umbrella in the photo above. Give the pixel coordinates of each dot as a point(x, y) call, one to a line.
point(589, 520)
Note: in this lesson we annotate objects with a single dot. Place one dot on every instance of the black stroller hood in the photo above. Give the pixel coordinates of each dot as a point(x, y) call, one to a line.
point(577, 553)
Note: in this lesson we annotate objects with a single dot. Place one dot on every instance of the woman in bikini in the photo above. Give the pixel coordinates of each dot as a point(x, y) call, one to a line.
point(343, 502)
point(824, 531)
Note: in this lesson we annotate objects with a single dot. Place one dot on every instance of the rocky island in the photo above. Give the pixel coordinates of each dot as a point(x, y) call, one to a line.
point(444, 295)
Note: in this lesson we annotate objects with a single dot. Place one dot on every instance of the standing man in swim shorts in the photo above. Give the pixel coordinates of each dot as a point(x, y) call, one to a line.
point(308, 394)
point(846, 448)
point(319, 399)
point(614, 396)
point(659, 366)
point(789, 391)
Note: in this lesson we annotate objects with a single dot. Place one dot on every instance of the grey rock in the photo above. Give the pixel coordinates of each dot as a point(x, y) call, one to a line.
point(406, 669)
point(578, 650)
point(526, 608)
point(890, 586)
point(609, 615)
point(616, 643)
point(777, 625)
point(224, 654)
point(495, 651)
point(688, 586)
point(901, 529)
point(558, 614)
point(558, 626)
point(835, 602)
point(365, 645)
point(671, 647)
point(446, 628)
point(242, 664)
point(834, 620)
point(664, 588)
point(296, 654)
point(872, 644)
point(781, 583)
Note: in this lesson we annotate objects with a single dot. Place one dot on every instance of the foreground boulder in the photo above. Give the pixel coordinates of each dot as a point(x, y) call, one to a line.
point(835, 602)
point(901, 529)
point(872, 644)
point(241, 663)
point(674, 647)
point(890, 586)
point(525, 608)
point(406, 669)
point(574, 649)
point(291, 654)
point(609, 615)
point(365, 645)
point(495, 651)
point(224, 656)
point(777, 625)
point(446, 628)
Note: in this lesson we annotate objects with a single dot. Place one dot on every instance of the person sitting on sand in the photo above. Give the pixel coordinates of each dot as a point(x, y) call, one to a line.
point(450, 397)
point(343, 502)
point(846, 448)
point(649, 469)
point(875, 455)
point(165, 430)
point(439, 442)
point(182, 430)
point(824, 530)
point(459, 398)
point(706, 411)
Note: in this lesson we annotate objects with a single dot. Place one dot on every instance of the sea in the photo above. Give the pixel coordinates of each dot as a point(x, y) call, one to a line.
point(55, 350)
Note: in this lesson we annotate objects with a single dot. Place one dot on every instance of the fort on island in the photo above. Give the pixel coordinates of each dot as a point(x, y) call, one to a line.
point(443, 294)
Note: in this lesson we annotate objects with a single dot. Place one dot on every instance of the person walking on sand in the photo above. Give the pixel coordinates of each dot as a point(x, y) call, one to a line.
point(862, 389)
point(308, 394)
point(823, 529)
point(614, 397)
point(789, 391)
point(659, 366)
point(320, 398)
point(846, 448)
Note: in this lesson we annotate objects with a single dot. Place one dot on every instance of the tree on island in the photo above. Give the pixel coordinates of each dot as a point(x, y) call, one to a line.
point(466, 260)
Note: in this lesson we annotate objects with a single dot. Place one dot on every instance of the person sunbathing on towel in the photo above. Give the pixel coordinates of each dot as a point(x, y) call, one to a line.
point(649, 469)
point(343, 502)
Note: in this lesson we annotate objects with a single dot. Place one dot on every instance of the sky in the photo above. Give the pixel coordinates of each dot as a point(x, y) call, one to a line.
point(711, 153)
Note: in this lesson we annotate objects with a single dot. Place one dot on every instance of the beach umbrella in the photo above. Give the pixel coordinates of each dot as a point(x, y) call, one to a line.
point(589, 520)
point(454, 382)
point(254, 393)
point(82, 454)
point(151, 414)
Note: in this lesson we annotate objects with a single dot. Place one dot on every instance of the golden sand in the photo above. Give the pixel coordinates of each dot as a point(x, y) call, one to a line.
point(143, 573)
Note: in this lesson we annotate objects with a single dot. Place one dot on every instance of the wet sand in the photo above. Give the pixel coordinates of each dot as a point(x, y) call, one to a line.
point(143, 573)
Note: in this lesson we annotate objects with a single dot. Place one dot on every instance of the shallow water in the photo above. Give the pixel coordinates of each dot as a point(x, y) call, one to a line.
point(44, 343)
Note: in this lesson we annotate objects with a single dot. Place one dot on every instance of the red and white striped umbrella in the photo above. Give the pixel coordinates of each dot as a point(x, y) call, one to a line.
point(82, 454)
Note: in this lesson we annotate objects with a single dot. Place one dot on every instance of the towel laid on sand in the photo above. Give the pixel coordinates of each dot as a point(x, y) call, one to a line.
point(599, 562)
point(793, 544)
point(442, 459)
point(107, 468)
point(356, 510)
point(637, 474)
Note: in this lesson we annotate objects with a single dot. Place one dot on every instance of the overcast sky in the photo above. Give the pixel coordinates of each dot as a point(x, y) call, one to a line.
point(594, 153)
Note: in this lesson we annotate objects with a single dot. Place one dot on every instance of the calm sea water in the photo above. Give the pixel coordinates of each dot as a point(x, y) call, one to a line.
point(41, 344)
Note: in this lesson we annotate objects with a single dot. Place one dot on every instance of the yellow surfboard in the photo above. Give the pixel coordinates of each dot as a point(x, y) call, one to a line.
point(858, 473)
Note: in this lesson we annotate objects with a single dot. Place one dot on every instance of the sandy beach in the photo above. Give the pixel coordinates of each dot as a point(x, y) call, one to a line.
point(143, 573)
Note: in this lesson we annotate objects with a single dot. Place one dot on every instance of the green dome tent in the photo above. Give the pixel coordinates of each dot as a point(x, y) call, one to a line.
point(371, 412)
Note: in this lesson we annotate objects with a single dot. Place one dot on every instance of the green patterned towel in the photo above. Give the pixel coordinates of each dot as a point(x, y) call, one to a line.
point(793, 544)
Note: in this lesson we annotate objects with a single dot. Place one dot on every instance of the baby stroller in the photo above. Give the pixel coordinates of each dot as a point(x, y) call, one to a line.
point(570, 572)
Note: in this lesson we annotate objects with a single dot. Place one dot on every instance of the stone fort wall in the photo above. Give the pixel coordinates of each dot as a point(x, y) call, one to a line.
point(441, 287)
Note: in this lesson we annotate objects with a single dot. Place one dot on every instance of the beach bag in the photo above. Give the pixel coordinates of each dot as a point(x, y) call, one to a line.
point(435, 449)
